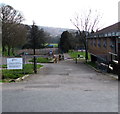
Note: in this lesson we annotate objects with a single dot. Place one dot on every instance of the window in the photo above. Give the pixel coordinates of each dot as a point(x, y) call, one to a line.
point(113, 33)
point(94, 42)
point(112, 44)
point(106, 35)
point(105, 43)
point(91, 42)
point(109, 34)
point(99, 42)
point(117, 33)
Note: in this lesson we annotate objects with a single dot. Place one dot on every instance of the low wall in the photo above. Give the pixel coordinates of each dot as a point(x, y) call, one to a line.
point(39, 51)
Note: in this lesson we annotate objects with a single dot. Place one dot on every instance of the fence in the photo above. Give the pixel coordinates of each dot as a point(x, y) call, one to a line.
point(102, 64)
point(113, 64)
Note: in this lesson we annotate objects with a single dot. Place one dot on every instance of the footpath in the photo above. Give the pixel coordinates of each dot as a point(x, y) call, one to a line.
point(62, 87)
point(68, 59)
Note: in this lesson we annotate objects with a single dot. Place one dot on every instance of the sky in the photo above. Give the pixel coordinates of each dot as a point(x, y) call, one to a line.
point(57, 13)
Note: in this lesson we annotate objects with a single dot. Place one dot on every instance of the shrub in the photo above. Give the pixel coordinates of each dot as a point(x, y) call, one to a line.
point(3, 66)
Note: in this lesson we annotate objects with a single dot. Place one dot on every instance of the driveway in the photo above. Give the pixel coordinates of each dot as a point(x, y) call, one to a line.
point(62, 87)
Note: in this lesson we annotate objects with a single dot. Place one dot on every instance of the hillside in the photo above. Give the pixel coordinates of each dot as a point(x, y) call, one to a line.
point(55, 31)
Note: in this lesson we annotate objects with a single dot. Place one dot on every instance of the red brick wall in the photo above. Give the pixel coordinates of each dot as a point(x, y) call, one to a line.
point(96, 50)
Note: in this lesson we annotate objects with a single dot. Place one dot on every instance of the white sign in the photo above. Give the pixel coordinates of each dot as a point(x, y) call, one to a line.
point(14, 63)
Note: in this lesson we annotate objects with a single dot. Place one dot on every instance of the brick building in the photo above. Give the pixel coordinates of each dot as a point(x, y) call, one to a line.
point(104, 43)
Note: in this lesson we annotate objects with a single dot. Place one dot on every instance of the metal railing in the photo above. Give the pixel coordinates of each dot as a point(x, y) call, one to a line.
point(102, 64)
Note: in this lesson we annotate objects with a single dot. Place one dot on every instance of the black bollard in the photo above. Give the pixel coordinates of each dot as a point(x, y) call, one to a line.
point(76, 60)
point(35, 66)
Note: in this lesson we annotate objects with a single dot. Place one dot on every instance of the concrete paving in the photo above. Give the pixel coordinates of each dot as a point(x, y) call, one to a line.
point(62, 87)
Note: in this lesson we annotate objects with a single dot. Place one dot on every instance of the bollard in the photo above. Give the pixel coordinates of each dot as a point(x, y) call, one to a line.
point(62, 57)
point(76, 60)
point(35, 67)
point(78, 56)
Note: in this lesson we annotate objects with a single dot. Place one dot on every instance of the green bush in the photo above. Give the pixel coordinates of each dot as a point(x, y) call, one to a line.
point(3, 66)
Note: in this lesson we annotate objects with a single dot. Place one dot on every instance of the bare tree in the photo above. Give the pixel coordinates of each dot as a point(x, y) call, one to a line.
point(10, 15)
point(18, 36)
point(85, 25)
point(11, 27)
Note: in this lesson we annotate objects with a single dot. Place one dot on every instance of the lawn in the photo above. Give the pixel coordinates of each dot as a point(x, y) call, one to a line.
point(55, 45)
point(74, 54)
point(42, 60)
point(93, 64)
point(14, 74)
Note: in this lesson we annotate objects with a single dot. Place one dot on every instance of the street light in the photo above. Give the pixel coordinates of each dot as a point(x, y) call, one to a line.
point(34, 45)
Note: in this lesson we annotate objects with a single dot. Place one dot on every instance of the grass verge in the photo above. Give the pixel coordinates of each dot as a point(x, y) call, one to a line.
point(42, 60)
point(14, 74)
point(3, 66)
point(74, 54)
point(93, 64)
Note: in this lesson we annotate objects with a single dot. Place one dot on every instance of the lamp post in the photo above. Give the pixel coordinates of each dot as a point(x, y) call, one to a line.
point(86, 46)
point(34, 46)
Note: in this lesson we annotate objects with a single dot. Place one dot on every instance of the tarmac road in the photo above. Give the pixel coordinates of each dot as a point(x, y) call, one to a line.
point(62, 87)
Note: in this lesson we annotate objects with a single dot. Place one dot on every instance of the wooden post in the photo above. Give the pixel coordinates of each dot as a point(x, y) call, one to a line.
point(119, 61)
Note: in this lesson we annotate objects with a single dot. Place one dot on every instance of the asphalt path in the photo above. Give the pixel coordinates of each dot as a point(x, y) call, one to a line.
point(62, 87)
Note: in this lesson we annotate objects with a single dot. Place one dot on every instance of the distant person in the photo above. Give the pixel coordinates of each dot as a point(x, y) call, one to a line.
point(62, 57)
point(50, 53)
point(59, 57)
point(55, 58)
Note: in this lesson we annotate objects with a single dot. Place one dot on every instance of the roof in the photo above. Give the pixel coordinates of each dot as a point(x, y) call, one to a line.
point(112, 30)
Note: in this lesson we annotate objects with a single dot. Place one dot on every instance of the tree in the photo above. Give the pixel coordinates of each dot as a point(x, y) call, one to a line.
point(11, 28)
point(79, 43)
point(18, 39)
point(41, 37)
point(85, 25)
point(66, 41)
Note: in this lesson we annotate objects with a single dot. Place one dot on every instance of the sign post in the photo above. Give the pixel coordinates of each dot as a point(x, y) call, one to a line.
point(14, 63)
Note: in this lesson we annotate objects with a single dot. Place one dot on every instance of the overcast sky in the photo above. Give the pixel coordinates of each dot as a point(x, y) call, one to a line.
point(57, 13)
